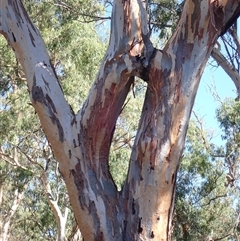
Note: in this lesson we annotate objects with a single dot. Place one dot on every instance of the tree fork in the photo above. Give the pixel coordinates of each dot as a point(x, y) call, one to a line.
point(81, 142)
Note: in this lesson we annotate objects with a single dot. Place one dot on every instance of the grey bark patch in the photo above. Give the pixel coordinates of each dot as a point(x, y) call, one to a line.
point(14, 38)
point(60, 129)
point(37, 92)
point(51, 103)
point(173, 176)
point(74, 143)
point(79, 139)
point(133, 207)
point(93, 212)
point(38, 96)
point(18, 10)
point(74, 121)
point(31, 37)
point(7, 13)
point(140, 229)
point(45, 82)
point(124, 233)
point(109, 187)
point(80, 180)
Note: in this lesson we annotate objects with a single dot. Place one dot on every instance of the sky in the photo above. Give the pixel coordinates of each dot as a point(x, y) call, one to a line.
point(214, 80)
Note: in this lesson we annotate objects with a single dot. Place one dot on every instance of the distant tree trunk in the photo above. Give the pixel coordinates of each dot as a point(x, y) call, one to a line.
point(6, 219)
point(81, 142)
point(60, 217)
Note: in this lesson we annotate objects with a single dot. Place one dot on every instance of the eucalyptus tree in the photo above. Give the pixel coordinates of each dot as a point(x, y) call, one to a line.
point(142, 210)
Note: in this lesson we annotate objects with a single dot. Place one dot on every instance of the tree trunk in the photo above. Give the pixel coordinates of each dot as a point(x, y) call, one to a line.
point(60, 217)
point(5, 222)
point(81, 142)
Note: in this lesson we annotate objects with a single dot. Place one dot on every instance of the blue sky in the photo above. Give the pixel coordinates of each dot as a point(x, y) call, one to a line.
point(213, 80)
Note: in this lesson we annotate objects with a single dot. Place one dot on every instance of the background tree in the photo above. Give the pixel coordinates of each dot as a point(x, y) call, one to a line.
point(206, 207)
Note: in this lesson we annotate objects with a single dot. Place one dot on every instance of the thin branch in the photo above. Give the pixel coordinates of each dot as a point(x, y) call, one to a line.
point(213, 199)
point(225, 42)
point(235, 39)
point(201, 129)
point(12, 161)
point(30, 159)
point(223, 237)
point(94, 17)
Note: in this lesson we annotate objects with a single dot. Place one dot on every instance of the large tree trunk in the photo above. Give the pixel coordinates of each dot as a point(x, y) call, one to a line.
point(81, 142)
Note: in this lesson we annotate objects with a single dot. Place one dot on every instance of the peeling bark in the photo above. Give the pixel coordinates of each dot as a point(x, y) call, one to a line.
point(81, 142)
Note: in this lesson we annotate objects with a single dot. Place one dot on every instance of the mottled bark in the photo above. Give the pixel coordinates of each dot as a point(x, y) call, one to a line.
point(81, 143)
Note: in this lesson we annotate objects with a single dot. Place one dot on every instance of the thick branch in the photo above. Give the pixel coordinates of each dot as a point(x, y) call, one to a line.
point(45, 92)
